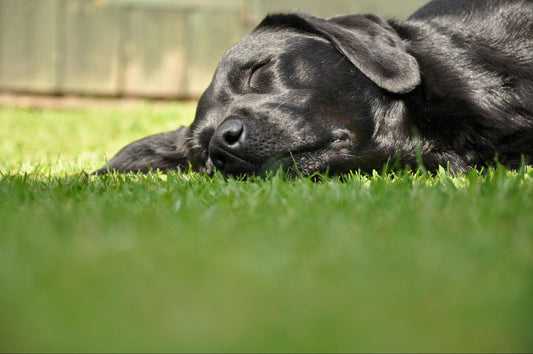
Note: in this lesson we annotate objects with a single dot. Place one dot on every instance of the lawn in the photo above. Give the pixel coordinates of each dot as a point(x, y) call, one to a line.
point(132, 263)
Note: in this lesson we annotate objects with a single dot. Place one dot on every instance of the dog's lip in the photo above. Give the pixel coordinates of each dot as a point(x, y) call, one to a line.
point(249, 166)
point(339, 141)
point(215, 149)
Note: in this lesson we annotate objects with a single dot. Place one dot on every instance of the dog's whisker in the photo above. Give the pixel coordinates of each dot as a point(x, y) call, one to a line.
point(281, 104)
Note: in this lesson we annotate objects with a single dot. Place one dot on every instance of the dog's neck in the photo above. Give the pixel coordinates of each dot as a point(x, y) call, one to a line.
point(469, 89)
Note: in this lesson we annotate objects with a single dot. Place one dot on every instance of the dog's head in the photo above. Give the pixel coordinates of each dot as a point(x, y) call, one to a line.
point(295, 93)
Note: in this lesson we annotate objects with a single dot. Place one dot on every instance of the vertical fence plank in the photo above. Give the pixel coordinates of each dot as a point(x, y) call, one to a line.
point(91, 49)
point(155, 53)
point(28, 45)
point(209, 35)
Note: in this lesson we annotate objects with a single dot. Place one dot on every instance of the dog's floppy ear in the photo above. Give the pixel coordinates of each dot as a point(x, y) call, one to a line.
point(164, 151)
point(367, 41)
point(375, 48)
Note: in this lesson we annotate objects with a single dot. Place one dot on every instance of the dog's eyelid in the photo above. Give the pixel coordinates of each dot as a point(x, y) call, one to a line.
point(260, 65)
point(254, 70)
point(254, 65)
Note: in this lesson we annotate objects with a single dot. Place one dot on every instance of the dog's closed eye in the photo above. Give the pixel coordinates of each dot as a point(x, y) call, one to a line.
point(258, 80)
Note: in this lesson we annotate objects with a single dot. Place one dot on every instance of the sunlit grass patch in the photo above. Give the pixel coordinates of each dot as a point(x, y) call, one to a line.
point(67, 141)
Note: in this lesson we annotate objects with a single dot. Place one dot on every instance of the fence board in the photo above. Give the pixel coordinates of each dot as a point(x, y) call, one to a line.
point(28, 45)
point(155, 52)
point(210, 34)
point(163, 48)
point(92, 47)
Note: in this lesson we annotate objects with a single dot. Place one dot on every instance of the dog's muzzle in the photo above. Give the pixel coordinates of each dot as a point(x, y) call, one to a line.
point(228, 148)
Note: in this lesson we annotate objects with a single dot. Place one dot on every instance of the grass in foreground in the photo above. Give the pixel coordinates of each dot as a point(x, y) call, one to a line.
point(405, 262)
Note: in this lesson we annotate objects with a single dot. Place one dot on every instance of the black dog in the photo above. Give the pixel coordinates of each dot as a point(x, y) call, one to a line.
point(450, 86)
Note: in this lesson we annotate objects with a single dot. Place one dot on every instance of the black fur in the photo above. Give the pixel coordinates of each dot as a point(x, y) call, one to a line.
point(452, 85)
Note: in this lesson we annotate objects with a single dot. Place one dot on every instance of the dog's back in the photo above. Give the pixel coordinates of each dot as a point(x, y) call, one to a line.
point(477, 57)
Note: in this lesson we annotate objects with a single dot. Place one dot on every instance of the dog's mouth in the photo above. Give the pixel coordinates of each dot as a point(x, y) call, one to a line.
point(229, 163)
point(317, 156)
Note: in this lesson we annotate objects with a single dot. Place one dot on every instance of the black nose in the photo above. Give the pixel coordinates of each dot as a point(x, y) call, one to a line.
point(227, 147)
point(230, 133)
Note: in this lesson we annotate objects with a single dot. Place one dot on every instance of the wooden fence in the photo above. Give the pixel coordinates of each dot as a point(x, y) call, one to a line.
point(147, 48)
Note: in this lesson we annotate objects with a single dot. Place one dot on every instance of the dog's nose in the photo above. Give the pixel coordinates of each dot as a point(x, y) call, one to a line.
point(227, 146)
point(230, 133)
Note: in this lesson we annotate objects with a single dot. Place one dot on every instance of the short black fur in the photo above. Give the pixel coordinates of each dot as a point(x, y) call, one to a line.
point(451, 86)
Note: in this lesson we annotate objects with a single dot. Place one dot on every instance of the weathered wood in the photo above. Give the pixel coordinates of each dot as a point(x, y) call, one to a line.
point(92, 47)
point(209, 35)
point(28, 31)
point(154, 52)
point(152, 48)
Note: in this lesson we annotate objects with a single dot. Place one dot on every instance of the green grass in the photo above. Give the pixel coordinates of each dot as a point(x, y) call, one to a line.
point(388, 262)
point(69, 141)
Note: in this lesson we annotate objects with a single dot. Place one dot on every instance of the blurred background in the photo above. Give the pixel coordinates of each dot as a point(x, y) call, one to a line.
point(138, 48)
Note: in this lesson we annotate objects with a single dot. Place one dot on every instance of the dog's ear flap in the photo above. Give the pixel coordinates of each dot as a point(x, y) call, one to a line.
point(165, 151)
point(375, 48)
point(367, 41)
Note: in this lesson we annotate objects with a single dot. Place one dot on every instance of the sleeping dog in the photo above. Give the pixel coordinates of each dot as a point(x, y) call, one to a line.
point(450, 86)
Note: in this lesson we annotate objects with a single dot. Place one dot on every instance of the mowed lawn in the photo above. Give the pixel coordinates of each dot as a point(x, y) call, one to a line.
point(385, 262)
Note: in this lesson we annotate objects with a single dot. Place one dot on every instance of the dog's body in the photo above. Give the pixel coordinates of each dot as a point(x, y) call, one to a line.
point(450, 86)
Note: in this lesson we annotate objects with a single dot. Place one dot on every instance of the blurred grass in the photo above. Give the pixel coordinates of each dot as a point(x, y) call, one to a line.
point(68, 141)
point(132, 263)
